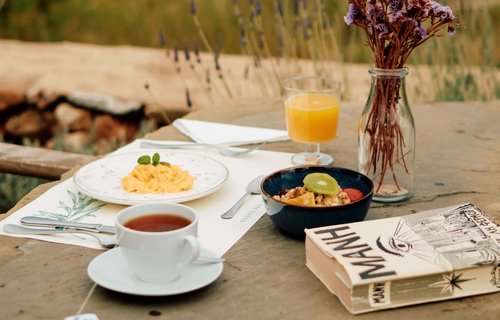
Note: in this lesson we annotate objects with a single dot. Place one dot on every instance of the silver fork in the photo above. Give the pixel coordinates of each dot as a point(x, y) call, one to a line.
point(222, 149)
point(105, 241)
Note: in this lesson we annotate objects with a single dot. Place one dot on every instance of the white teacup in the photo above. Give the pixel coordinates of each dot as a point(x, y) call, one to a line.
point(154, 256)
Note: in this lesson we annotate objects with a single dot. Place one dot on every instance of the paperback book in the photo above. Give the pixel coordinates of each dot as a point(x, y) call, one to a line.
point(429, 256)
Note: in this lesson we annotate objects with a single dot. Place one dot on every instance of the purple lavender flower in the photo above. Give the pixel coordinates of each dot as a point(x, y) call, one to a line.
point(444, 12)
point(421, 31)
point(395, 5)
point(187, 54)
point(382, 30)
point(258, 8)
point(447, 14)
point(243, 38)
point(398, 15)
point(193, 7)
point(451, 30)
point(351, 14)
point(371, 11)
point(161, 37)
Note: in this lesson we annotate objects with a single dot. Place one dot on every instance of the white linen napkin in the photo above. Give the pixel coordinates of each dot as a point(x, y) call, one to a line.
point(215, 234)
point(229, 134)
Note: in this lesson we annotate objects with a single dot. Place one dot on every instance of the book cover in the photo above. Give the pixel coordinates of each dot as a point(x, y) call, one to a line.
point(428, 256)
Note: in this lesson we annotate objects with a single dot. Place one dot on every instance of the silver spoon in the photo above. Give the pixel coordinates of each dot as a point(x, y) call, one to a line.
point(223, 149)
point(252, 188)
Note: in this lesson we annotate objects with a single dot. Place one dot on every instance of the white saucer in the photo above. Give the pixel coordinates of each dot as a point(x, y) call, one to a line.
point(110, 271)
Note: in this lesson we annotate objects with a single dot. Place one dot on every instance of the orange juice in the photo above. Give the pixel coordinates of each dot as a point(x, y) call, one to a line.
point(312, 117)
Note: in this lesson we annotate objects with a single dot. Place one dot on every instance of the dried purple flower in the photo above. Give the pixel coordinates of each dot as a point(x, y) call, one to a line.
point(193, 7)
point(161, 38)
point(398, 15)
point(443, 12)
point(351, 14)
point(451, 30)
point(382, 29)
point(421, 31)
point(395, 5)
point(243, 37)
point(258, 7)
point(403, 24)
point(187, 54)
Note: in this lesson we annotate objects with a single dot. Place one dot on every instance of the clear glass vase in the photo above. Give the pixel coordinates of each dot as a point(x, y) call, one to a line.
point(386, 136)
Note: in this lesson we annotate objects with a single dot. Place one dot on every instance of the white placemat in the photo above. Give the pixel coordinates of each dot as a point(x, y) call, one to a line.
point(216, 234)
point(229, 134)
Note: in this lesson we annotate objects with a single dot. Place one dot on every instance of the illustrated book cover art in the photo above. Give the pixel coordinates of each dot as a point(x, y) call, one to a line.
point(429, 256)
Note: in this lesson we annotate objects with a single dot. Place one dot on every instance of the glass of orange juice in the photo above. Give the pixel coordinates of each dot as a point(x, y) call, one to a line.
point(312, 106)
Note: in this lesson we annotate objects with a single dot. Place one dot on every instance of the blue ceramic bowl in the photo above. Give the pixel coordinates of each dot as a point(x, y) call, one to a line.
point(293, 219)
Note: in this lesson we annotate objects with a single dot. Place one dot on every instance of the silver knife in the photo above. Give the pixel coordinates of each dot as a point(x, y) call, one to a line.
point(44, 222)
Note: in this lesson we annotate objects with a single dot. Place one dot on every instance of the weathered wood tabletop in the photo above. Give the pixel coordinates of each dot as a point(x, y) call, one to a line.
point(264, 277)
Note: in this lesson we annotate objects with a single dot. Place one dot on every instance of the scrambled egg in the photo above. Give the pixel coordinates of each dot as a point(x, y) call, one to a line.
point(160, 178)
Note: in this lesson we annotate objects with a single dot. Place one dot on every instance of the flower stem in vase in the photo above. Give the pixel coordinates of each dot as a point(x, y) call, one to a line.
point(387, 136)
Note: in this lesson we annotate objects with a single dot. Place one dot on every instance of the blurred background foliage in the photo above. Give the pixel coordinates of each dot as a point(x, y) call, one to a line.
point(132, 22)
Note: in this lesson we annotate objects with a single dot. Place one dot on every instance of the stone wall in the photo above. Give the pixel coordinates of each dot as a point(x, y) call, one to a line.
point(76, 123)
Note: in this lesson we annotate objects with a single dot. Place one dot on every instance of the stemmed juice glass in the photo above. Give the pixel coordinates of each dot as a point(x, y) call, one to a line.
point(312, 106)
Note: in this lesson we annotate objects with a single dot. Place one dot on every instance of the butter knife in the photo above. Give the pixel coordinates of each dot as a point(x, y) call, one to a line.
point(44, 222)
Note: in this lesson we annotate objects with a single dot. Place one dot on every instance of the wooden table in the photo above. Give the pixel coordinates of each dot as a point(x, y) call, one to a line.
point(264, 277)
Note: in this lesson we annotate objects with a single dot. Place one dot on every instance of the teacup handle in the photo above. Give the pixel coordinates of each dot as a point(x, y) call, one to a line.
point(194, 247)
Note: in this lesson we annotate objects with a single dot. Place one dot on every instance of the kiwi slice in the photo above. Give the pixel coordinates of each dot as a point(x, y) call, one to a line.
point(321, 183)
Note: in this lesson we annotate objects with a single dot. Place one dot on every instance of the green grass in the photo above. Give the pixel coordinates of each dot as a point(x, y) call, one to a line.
point(14, 187)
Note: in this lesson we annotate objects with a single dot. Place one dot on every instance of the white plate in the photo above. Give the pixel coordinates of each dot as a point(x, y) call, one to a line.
point(101, 179)
point(110, 270)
